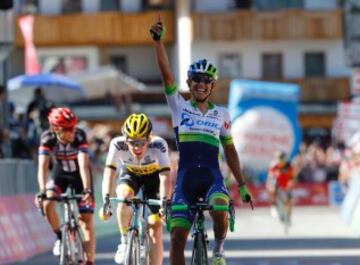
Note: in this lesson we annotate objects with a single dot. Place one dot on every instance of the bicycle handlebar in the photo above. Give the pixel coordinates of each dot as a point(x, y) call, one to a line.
point(204, 206)
point(64, 197)
point(136, 201)
point(60, 198)
point(200, 206)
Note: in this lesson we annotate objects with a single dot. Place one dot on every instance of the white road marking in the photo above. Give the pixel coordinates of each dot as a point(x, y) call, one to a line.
point(283, 253)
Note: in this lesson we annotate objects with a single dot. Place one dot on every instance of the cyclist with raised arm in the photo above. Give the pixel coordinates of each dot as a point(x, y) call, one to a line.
point(280, 180)
point(200, 126)
point(144, 163)
point(68, 145)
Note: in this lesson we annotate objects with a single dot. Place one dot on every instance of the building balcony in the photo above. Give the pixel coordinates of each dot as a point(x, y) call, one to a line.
point(289, 24)
point(116, 28)
point(312, 90)
point(106, 28)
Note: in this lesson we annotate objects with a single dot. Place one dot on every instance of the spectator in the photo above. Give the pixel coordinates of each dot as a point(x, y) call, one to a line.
point(42, 107)
point(20, 147)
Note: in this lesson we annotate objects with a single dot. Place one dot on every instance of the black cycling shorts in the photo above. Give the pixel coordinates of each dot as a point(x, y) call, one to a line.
point(63, 181)
point(148, 183)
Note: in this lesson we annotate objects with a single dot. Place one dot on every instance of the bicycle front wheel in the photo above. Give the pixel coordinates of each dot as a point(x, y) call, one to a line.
point(67, 253)
point(133, 249)
point(144, 251)
point(199, 253)
point(79, 247)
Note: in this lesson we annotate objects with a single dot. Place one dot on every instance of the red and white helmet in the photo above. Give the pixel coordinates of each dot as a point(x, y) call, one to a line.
point(62, 118)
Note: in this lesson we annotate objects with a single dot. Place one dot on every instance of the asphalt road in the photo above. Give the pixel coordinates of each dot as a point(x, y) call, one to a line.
point(317, 237)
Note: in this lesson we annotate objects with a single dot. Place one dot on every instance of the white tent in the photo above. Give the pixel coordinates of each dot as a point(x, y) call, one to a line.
point(104, 80)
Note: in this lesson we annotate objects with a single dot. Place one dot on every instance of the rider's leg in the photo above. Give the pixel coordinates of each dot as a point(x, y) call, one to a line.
point(87, 225)
point(272, 198)
point(289, 203)
point(177, 247)
point(51, 214)
point(156, 241)
point(220, 222)
point(123, 212)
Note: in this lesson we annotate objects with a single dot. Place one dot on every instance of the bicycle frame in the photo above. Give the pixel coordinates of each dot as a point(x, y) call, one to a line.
point(72, 244)
point(200, 238)
point(138, 230)
point(72, 249)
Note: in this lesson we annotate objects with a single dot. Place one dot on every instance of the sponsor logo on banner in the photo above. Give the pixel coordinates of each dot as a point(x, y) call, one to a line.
point(259, 133)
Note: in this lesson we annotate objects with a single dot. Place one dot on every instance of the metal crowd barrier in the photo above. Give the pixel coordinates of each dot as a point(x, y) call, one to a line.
point(18, 176)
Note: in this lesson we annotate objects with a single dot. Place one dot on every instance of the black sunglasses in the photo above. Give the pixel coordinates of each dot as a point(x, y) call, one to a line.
point(137, 143)
point(202, 79)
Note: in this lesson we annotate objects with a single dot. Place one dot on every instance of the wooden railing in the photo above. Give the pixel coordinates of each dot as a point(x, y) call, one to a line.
point(285, 24)
point(106, 28)
point(116, 28)
point(311, 89)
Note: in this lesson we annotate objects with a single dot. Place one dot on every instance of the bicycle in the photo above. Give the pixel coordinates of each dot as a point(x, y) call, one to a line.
point(72, 249)
point(283, 210)
point(200, 239)
point(137, 252)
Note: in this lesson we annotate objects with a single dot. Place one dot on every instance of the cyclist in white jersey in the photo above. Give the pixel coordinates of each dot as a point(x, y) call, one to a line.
point(200, 127)
point(144, 163)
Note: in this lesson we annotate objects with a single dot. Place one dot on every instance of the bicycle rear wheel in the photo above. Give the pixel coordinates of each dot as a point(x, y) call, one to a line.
point(133, 249)
point(199, 253)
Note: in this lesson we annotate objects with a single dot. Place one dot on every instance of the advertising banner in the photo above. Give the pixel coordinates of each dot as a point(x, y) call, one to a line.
point(265, 120)
point(347, 122)
point(304, 194)
point(23, 231)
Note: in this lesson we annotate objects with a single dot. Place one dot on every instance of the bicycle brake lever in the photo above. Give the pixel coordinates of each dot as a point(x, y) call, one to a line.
point(252, 205)
point(249, 200)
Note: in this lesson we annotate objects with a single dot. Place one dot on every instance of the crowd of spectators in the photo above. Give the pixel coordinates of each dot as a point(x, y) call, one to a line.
point(318, 163)
point(20, 131)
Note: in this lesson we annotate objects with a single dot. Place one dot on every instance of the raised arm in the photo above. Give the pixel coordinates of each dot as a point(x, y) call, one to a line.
point(157, 32)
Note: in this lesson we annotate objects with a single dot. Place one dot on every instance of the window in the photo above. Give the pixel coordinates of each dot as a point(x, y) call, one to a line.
point(64, 64)
point(109, 5)
point(157, 4)
point(266, 5)
point(230, 66)
point(314, 64)
point(243, 4)
point(29, 7)
point(120, 62)
point(272, 66)
point(71, 6)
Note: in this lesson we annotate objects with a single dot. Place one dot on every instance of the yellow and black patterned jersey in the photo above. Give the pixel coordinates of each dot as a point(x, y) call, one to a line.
point(156, 158)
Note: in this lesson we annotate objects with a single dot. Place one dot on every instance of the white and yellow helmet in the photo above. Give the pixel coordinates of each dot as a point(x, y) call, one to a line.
point(137, 126)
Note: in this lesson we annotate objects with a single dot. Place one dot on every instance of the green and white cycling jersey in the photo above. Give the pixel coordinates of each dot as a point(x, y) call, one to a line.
point(198, 134)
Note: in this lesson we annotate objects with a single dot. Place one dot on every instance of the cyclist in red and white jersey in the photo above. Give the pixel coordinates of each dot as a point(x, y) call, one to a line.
point(280, 179)
point(67, 144)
